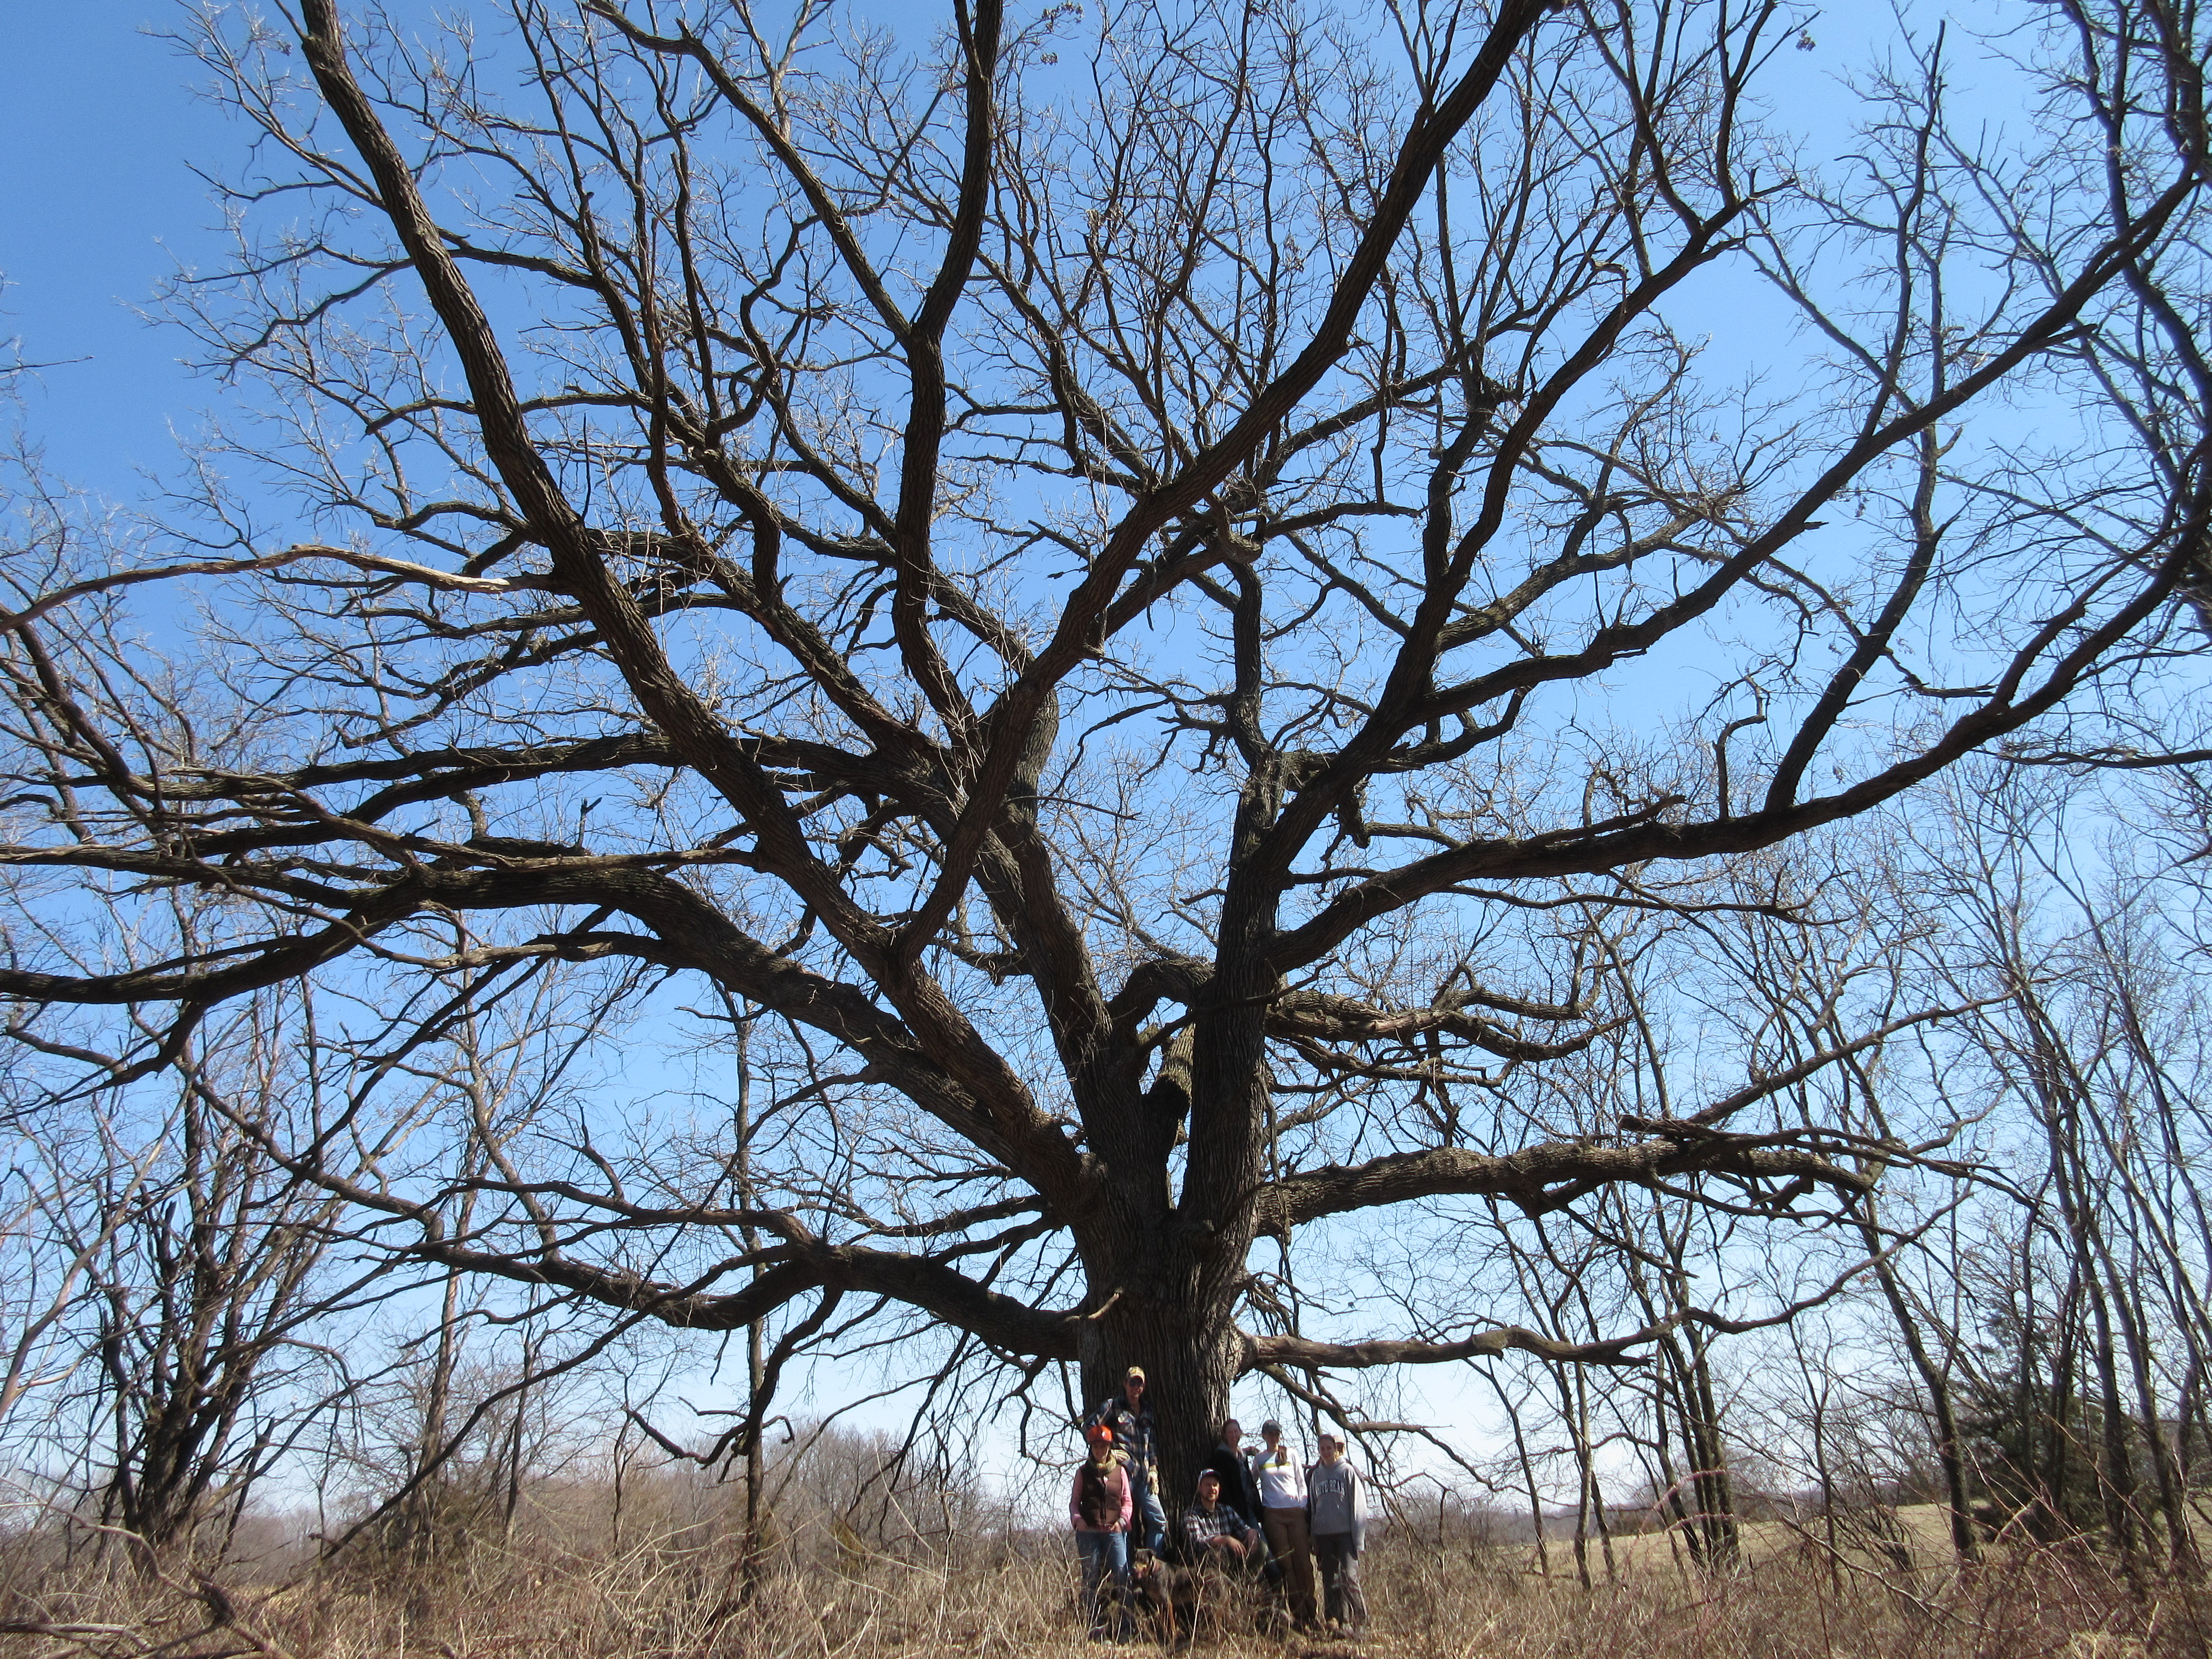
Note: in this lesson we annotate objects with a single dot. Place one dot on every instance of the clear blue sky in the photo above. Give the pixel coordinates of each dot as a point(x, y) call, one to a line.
point(98, 203)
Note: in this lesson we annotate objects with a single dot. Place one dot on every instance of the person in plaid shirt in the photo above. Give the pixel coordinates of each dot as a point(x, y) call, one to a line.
point(1215, 1532)
point(1136, 1436)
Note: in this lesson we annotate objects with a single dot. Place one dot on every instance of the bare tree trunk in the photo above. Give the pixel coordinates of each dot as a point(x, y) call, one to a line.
point(1527, 1470)
point(1677, 1490)
point(2055, 1421)
point(514, 1441)
point(1190, 1364)
point(752, 1548)
point(1816, 1406)
point(1935, 1379)
point(424, 1514)
point(1572, 1422)
point(1716, 1517)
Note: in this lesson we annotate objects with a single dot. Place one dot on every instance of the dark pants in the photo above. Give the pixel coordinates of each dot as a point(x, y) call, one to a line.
point(1292, 1548)
point(1339, 1578)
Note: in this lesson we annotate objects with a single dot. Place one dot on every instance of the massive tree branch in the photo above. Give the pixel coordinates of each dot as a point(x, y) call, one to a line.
point(1545, 1176)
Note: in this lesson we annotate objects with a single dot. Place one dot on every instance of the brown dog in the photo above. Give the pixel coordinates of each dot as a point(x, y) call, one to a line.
point(1170, 1597)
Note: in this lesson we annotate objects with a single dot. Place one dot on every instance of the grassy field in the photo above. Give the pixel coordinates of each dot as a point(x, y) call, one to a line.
point(673, 1597)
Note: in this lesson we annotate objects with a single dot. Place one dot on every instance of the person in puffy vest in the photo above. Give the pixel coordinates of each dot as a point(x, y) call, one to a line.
point(1099, 1505)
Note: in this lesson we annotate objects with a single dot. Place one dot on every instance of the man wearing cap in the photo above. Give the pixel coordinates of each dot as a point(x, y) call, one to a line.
point(1280, 1477)
point(1136, 1435)
point(1214, 1532)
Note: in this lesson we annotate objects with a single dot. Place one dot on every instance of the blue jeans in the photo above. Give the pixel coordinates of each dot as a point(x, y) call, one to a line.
point(1148, 1507)
point(1105, 1558)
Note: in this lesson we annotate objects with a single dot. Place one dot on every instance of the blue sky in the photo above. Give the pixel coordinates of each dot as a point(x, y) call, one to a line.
point(98, 204)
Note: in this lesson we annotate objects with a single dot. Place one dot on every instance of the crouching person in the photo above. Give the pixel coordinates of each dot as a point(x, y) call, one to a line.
point(1099, 1507)
point(1336, 1507)
point(1216, 1533)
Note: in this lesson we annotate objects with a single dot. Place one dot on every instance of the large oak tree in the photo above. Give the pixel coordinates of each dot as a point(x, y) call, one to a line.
point(1135, 601)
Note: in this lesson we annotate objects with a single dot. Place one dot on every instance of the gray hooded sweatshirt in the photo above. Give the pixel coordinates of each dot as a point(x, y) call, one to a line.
point(1336, 1498)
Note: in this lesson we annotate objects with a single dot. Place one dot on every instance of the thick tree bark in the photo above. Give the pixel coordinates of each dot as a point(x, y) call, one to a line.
point(1189, 1359)
point(1162, 1302)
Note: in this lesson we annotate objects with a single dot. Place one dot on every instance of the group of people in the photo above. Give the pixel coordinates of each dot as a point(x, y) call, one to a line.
point(1260, 1510)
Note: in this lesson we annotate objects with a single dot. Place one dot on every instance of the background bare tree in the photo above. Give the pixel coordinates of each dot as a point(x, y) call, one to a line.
point(209, 1295)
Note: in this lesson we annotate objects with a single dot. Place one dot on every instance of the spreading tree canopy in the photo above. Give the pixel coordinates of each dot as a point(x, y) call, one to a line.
point(1131, 603)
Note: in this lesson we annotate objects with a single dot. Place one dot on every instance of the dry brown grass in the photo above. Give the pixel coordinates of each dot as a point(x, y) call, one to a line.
point(676, 1596)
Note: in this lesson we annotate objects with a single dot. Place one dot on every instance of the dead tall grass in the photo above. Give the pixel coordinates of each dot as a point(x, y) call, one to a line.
point(675, 1596)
